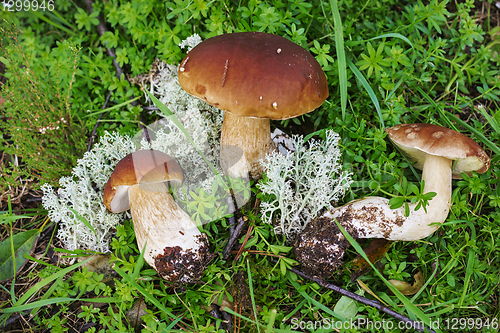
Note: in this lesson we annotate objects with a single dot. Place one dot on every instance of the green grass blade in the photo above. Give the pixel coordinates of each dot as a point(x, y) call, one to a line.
point(37, 304)
point(47, 295)
point(44, 18)
point(341, 58)
point(470, 264)
point(45, 302)
point(114, 107)
point(478, 134)
point(252, 297)
point(424, 286)
point(492, 121)
point(173, 323)
point(12, 218)
point(368, 89)
point(228, 310)
point(270, 324)
point(40, 262)
point(394, 35)
point(410, 307)
point(60, 18)
point(139, 264)
point(396, 87)
point(83, 220)
point(436, 106)
point(44, 282)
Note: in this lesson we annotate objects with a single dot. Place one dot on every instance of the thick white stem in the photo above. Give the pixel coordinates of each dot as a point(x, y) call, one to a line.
point(244, 143)
point(174, 245)
point(372, 217)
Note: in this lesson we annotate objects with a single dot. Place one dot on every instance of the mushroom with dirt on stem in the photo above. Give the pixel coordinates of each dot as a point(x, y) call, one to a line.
point(175, 247)
point(253, 77)
point(441, 153)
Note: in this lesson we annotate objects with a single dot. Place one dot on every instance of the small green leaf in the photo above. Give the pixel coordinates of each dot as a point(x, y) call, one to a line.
point(400, 189)
point(347, 307)
point(283, 267)
point(415, 189)
point(23, 244)
point(451, 280)
point(276, 249)
point(396, 202)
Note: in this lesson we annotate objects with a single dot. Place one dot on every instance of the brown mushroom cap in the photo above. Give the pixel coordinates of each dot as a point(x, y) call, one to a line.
point(144, 167)
point(254, 74)
point(418, 140)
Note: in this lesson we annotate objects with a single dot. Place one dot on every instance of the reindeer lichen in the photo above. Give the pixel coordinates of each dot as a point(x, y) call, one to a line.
point(302, 183)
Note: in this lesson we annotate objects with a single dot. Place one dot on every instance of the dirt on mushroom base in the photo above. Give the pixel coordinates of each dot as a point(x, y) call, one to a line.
point(320, 247)
point(184, 266)
point(369, 215)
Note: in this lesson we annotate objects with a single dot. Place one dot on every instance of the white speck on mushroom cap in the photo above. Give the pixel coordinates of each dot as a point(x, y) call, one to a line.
point(182, 68)
point(226, 66)
point(275, 105)
point(278, 51)
point(412, 135)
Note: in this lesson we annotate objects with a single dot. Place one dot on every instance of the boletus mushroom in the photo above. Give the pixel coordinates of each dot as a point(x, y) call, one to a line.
point(441, 153)
point(254, 77)
point(141, 182)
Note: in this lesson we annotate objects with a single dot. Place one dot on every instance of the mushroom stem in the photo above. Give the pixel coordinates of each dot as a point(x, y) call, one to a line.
point(174, 245)
point(372, 217)
point(244, 143)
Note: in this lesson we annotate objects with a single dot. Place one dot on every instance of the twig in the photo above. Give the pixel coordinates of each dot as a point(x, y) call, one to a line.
point(223, 316)
point(14, 318)
point(263, 253)
point(232, 239)
point(102, 29)
point(215, 311)
point(142, 120)
point(48, 231)
point(150, 108)
point(227, 321)
point(119, 71)
point(247, 236)
point(361, 299)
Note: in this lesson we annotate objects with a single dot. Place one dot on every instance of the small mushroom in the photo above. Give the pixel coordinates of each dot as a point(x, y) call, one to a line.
point(175, 247)
point(441, 153)
point(254, 77)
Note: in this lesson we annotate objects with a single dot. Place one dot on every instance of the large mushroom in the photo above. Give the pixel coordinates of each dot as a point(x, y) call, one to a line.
point(254, 77)
point(175, 247)
point(441, 153)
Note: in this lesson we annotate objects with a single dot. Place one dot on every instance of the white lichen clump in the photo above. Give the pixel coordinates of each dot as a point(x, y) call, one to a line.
point(190, 42)
point(77, 192)
point(303, 183)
